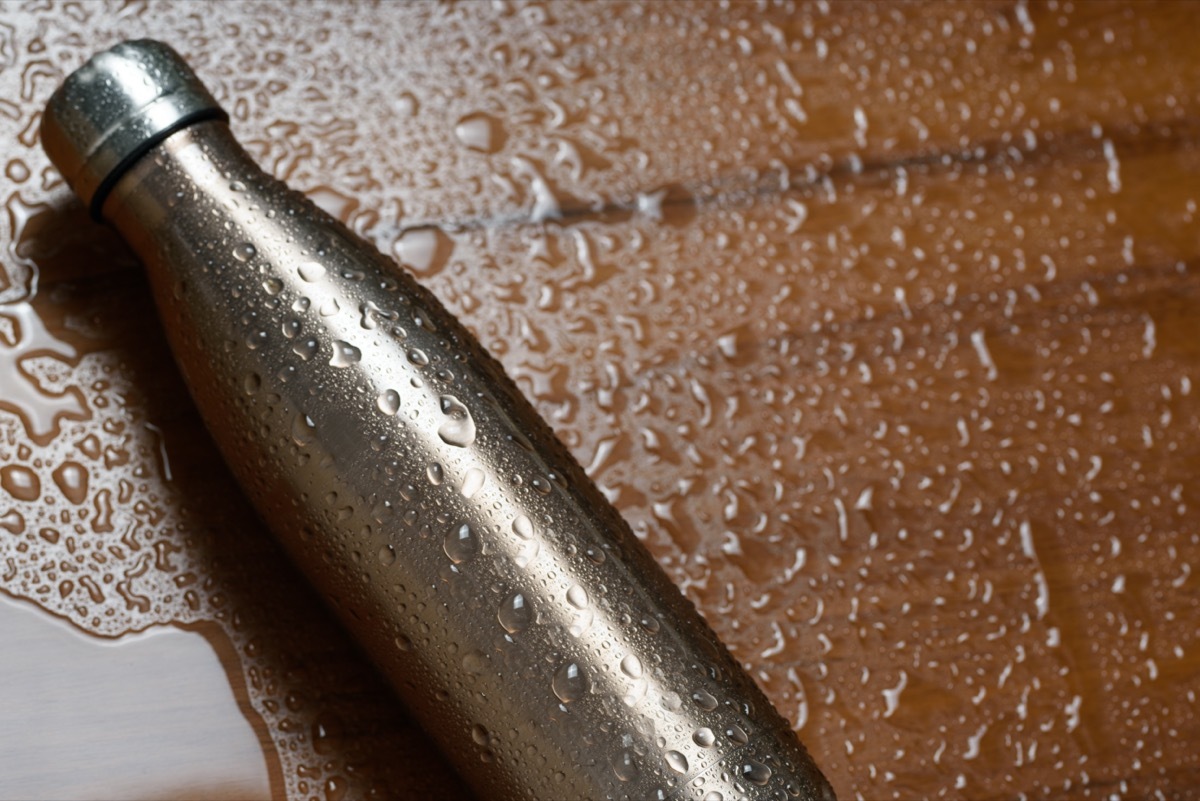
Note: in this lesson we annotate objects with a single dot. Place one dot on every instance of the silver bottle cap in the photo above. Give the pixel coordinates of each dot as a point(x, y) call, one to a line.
point(113, 109)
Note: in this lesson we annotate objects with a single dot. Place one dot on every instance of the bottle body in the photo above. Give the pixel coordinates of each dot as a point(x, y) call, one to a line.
point(489, 580)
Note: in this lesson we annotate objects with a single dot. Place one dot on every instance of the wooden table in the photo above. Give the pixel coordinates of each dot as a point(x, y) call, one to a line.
point(878, 323)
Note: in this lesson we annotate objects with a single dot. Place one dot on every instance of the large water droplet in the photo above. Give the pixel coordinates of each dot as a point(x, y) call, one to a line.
point(624, 765)
point(311, 271)
point(523, 527)
point(473, 482)
point(704, 737)
point(676, 761)
point(305, 348)
point(244, 251)
point(474, 662)
point(424, 250)
point(577, 596)
point(20, 482)
point(461, 544)
point(290, 328)
point(480, 132)
point(371, 314)
point(72, 479)
point(570, 682)
point(582, 622)
point(345, 354)
point(515, 613)
point(756, 772)
point(327, 733)
point(459, 428)
point(704, 700)
point(388, 402)
point(303, 429)
point(529, 552)
point(631, 666)
point(435, 474)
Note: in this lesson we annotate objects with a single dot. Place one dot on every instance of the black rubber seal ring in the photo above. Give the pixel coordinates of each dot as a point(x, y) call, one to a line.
point(114, 175)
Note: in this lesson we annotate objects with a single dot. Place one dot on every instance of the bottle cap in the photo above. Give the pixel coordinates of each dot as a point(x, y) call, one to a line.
point(116, 107)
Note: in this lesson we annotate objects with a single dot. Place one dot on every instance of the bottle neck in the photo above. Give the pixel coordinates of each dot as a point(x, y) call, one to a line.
point(179, 181)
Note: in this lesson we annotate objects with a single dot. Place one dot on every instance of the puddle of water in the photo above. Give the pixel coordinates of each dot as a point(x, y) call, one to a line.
point(147, 715)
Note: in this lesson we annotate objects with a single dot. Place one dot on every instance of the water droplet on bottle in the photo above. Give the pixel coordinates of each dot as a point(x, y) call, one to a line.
point(704, 737)
point(529, 552)
point(345, 354)
point(704, 700)
point(388, 402)
point(387, 555)
point(582, 622)
point(303, 429)
point(371, 314)
point(474, 662)
point(577, 597)
point(418, 357)
point(329, 308)
point(251, 383)
point(631, 666)
point(515, 613)
point(327, 733)
point(480, 734)
point(290, 328)
point(305, 348)
point(714, 796)
point(570, 682)
point(461, 544)
point(311, 271)
point(435, 474)
point(459, 428)
point(624, 765)
point(244, 251)
point(273, 286)
point(676, 761)
point(737, 734)
point(756, 772)
point(423, 320)
point(523, 527)
point(20, 482)
point(403, 643)
point(473, 482)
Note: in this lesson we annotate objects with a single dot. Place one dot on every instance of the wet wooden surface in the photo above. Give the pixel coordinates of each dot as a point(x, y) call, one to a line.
point(876, 321)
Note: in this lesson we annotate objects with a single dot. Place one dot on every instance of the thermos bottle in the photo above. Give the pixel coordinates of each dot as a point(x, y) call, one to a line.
point(493, 585)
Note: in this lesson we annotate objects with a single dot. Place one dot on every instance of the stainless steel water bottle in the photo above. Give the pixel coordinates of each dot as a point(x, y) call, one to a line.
point(493, 585)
